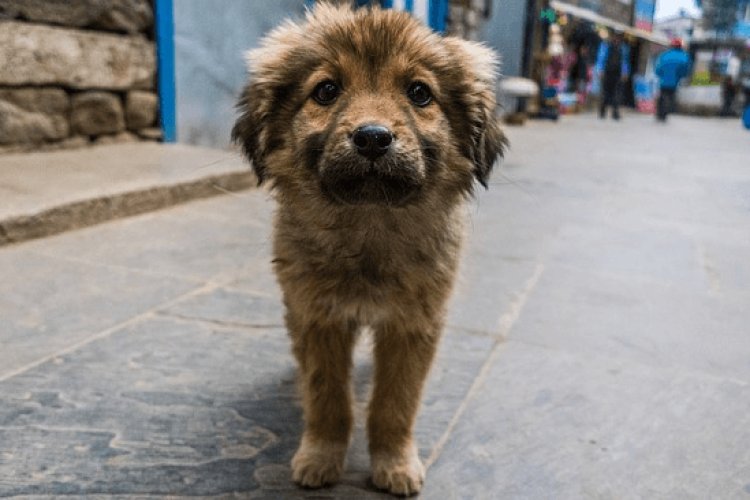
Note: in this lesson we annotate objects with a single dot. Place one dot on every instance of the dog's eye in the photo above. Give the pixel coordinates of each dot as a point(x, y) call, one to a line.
point(325, 92)
point(419, 93)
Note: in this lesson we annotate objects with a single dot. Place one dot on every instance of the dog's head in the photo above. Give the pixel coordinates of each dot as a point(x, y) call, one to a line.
point(369, 106)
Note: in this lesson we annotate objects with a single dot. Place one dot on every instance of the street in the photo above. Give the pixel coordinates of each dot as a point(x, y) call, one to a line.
point(598, 340)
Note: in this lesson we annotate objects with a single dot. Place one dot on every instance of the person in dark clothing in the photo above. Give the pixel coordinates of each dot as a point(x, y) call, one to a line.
point(728, 94)
point(613, 64)
point(671, 67)
point(578, 75)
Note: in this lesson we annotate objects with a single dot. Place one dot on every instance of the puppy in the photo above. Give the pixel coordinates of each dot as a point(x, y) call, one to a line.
point(372, 131)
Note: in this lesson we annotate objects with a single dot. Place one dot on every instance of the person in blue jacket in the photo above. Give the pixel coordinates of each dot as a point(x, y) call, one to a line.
point(613, 65)
point(671, 67)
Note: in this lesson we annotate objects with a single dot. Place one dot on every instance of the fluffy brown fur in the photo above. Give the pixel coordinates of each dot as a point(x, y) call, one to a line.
point(363, 241)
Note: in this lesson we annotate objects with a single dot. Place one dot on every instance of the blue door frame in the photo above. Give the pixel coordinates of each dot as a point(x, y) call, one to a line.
point(437, 10)
point(165, 72)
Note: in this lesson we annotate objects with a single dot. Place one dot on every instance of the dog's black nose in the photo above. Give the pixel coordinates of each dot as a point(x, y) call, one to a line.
point(372, 141)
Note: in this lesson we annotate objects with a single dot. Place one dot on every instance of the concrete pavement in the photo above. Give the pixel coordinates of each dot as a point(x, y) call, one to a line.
point(598, 343)
point(48, 193)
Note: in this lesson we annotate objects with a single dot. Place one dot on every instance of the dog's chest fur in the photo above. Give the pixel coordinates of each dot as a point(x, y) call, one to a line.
point(368, 259)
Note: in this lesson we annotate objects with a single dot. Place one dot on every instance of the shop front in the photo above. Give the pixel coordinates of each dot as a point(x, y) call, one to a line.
point(564, 53)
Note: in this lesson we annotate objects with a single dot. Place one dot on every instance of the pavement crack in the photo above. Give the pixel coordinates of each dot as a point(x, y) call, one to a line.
point(217, 322)
point(506, 323)
point(107, 265)
point(150, 313)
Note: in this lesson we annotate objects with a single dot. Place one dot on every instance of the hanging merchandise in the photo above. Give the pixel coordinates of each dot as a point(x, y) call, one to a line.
point(555, 46)
point(549, 105)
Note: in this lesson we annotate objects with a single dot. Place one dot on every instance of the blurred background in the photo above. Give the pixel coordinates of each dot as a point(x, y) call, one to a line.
point(90, 71)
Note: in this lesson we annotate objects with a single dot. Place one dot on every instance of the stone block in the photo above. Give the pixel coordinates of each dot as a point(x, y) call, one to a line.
point(120, 138)
point(95, 113)
point(33, 115)
point(151, 134)
point(131, 16)
point(8, 10)
point(75, 142)
point(43, 55)
point(140, 109)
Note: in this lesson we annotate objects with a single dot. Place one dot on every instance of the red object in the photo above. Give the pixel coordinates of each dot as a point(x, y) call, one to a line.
point(647, 106)
point(644, 25)
point(675, 43)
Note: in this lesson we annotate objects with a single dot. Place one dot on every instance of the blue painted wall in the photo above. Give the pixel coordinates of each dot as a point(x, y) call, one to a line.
point(504, 32)
point(210, 38)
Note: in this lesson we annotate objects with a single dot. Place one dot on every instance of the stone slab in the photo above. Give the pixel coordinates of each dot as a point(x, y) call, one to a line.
point(150, 413)
point(118, 138)
point(33, 115)
point(725, 263)
point(258, 279)
point(480, 299)
point(218, 240)
point(643, 321)
point(96, 184)
point(118, 15)
point(74, 142)
point(181, 408)
point(48, 304)
point(550, 424)
point(34, 54)
point(656, 254)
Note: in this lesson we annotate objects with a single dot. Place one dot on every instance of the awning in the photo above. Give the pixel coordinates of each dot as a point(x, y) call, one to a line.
point(590, 15)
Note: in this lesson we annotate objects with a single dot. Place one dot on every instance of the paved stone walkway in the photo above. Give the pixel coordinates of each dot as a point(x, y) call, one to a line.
point(52, 192)
point(598, 343)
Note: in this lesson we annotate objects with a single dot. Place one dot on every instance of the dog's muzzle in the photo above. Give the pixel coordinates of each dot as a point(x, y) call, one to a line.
point(370, 183)
point(372, 172)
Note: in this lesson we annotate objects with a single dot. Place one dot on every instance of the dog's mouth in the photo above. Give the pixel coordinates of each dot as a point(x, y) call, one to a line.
point(371, 187)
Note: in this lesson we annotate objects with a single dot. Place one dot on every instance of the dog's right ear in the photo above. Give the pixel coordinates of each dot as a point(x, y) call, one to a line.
point(274, 70)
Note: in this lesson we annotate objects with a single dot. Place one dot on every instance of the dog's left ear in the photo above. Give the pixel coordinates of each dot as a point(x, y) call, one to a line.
point(477, 87)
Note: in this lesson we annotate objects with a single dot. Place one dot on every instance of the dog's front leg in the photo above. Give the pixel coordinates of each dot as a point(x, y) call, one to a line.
point(403, 354)
point(324, 352)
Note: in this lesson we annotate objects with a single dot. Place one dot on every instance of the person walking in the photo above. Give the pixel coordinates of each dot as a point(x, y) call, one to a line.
point(671, 67)
point(728, 94)
point(578, 74)
point(613, 64)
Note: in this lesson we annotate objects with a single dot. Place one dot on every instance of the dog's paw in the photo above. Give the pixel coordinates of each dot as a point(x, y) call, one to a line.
point(318, 464)
point(400, 474)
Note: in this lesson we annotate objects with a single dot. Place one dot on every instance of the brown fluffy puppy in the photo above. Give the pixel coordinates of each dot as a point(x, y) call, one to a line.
point(372, 130)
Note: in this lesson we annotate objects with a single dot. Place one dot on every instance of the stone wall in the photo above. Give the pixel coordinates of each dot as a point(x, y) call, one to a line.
point(76, 72)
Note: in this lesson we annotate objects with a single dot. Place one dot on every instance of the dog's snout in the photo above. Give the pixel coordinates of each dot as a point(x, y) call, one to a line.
point(372, 141)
